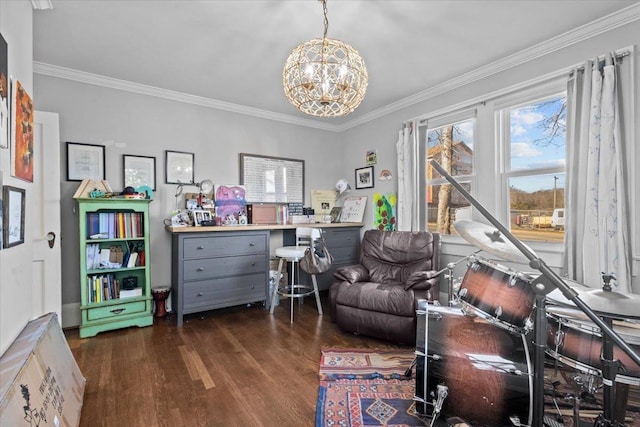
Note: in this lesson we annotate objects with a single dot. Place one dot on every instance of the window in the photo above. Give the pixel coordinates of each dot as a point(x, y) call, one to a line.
point(451, 145)
point(509, 153)
point(534, 147)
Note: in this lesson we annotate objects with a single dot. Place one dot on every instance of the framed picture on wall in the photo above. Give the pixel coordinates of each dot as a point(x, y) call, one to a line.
point(85, 161)
point(178, 167)
point(12, 215)
point(364, 177)
point(139, 171)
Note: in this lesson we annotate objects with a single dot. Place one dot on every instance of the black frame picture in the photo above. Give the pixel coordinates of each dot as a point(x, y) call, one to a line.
point(364, 177)
point(178, 167)
point(13, 215)
point(85, 161)
point(138, 171)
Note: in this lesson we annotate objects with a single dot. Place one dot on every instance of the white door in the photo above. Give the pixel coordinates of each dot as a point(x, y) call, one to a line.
point(45, 211)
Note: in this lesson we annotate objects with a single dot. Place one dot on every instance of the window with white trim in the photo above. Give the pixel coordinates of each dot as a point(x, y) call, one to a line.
point(532, 139)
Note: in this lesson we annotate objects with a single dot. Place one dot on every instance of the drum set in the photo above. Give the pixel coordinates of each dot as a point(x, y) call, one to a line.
point(481, 359)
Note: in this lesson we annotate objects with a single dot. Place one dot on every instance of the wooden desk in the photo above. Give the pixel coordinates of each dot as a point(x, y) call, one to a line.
point(220, 266)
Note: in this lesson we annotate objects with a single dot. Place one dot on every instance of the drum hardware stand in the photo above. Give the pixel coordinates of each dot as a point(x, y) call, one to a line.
point(610, 368)
point(449, 276)
point(442, 391)
point(541, 286)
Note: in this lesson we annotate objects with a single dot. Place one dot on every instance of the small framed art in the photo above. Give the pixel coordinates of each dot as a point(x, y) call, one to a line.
point(85, 161)
point(178, 167)
point(12, 216)
point(139, 171)
point(364, 177)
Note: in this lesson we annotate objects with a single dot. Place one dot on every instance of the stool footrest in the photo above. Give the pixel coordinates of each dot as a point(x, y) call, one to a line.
point(290, 291)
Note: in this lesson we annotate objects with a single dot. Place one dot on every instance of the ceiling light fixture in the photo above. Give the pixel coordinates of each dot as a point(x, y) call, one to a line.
point(325, 77)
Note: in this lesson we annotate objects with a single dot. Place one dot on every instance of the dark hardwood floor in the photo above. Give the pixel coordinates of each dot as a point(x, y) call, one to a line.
point(232, 367)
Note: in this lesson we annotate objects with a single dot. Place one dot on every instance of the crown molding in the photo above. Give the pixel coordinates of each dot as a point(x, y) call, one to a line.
point(615, 20)
point(127, 86)
point(41, 4)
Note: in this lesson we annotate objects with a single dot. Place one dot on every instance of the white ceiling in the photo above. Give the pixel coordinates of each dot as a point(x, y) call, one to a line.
point(233, 51)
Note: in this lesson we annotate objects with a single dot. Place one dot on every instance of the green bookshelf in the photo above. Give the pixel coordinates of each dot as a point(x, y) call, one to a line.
point(111, 230)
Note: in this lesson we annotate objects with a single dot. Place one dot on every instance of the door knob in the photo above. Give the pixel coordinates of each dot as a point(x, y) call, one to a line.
point(51, 239)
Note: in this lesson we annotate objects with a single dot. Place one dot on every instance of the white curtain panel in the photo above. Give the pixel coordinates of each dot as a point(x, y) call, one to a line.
point(597, 236)
point(408, 187)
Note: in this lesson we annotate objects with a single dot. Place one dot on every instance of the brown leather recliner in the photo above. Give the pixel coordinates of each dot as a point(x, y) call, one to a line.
point(378, 297)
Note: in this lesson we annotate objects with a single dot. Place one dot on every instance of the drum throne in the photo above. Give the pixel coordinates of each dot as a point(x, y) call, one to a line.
point(378, 297)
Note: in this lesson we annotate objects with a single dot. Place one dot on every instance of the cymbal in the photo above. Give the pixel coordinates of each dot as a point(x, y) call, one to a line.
point(608, 303)
point(489, 239)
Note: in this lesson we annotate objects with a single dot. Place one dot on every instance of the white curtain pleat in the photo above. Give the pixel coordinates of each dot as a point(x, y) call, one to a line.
point(596, 220)
point(408, 188)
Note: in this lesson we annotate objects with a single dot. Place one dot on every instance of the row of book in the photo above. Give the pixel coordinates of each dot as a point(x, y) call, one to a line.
point(115, 225)
point(105, 287)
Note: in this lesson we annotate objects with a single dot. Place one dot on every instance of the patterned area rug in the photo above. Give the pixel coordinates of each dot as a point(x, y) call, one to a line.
point(360, 388)
point(365, 388)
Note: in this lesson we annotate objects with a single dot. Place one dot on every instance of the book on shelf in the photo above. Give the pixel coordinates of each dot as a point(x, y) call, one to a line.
point(135, 292)
point(102, 287)
point(115, 225)
point(133, 258)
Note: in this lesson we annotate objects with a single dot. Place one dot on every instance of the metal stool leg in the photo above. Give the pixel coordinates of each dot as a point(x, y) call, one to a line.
point(293, 288)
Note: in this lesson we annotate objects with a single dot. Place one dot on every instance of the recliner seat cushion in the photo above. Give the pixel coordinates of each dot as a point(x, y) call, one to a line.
point(390, 298)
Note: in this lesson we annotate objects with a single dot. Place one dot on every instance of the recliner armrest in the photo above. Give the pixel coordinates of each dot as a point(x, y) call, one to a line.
point(421, 280)
point(352, 274)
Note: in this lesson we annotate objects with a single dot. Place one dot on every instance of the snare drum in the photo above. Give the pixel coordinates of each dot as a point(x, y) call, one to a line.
point(486, 369)
point(499, 294)
point(577, 342)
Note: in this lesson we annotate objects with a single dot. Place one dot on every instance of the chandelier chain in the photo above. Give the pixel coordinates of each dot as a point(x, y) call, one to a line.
point(326, 20)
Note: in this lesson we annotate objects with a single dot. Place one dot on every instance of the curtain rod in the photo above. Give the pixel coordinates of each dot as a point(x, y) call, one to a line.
point(616, 55)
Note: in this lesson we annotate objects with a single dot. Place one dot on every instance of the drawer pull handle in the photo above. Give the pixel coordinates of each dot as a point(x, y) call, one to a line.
point(253, 286)
point(118, 310)
point(200, 294)
point(200, 248)
point(252, 244)
point(253, 264)
point(200, 268)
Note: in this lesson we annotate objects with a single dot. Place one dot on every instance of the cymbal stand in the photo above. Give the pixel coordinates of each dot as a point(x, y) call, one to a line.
point(610, 368)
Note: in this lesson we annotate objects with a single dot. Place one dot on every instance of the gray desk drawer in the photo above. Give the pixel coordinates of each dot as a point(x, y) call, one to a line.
point(209, 268)
point(345, 254)
point(224, 292)
point(205, 247)
point(342, 238)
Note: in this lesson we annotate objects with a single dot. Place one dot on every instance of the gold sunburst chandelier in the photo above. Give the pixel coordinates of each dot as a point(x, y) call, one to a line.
point(325, 77)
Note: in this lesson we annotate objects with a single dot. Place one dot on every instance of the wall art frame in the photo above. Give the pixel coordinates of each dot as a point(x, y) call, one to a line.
point(13, 215)
point(5, 134)
point(178, 167)
point(139, 171)
point(85, 161)
point(364, 178)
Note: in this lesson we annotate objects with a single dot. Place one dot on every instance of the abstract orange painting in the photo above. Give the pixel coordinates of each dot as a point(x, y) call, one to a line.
point(22, 165)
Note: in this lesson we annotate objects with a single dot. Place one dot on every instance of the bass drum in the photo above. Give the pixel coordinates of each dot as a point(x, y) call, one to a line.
point(486, 369)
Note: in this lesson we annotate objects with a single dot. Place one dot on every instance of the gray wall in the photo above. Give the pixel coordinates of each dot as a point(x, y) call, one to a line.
point(128, 123)
point(382, 134)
